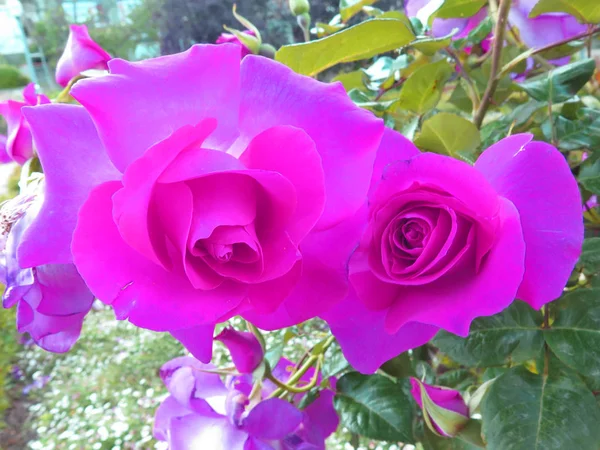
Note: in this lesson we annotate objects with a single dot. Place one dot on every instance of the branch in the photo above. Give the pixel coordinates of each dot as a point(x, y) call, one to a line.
point(509, 66)
point(501, 21)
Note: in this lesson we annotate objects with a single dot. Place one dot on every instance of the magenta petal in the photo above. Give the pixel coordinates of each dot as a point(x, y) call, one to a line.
point(457, 178)
point(255, 444)
point(545, 29)
point(81, 53)
point(201, 83)
point(345, 136)
point(195, 432)
point(136, 287)
point(323, 277)
point(245, 350)
point(536, 178)
point(167, 410)
point(291, 152)
point(74, 161)
point(394, 147)
point(451, 304)
point(259, 423)
point(364, 341)
point(322, 415)
point(131, 204)
point(4, 158)
point(197, 340)
point(19, 144)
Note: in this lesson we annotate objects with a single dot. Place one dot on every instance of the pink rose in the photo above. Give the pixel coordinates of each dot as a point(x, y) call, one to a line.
point(225, 180)
point(81, 53)
point(444, 409)
point(19, 146)
point(447, 242)
point(225, 38)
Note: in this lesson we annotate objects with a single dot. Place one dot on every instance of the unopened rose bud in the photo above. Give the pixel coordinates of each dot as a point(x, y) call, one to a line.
point(304, 21)
point(246, 352)
point(299, 7)
point(444, 410)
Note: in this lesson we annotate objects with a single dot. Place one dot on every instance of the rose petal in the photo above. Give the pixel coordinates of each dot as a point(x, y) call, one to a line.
point(194, 432)
point(291, 152)
point(363, 339)
point(136, 287)
point(259, 423)
point(186, 88)
point(345, 136)
point(245, 350)
point(81, 53)
point(74, 161)
point(131, 204)
point(197, 340)
point(452, 303)
point(323, 277)
point(394, 147)
point(536, 178)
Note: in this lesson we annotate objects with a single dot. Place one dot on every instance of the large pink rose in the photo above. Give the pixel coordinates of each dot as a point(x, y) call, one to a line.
point(224, 181)
point(447, 242)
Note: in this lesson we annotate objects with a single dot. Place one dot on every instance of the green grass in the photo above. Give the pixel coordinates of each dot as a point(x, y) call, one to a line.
point(11, 78)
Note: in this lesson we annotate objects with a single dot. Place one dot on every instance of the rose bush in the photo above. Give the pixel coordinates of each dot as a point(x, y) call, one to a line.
point(417, 199)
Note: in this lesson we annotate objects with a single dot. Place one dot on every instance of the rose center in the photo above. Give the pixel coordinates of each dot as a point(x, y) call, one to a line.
point(222, 253)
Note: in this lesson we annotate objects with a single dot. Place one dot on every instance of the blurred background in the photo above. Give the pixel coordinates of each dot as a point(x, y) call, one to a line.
point(134, 29)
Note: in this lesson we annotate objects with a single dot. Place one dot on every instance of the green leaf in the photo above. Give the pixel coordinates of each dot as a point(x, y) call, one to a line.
point(525, 411)
point(575, 334)
point(562, 83)
point(458, 379)
point(574, 134)
point(585, 11)
point(514, 335)
point(448, 134)
point(423, 89)
point(374, 407)
point(443, 443)
point(358, 42)
point(590, 254)
point(351, 80)
point(459, 8)
point(349, 8)
point(592, 184)
point(430, 46)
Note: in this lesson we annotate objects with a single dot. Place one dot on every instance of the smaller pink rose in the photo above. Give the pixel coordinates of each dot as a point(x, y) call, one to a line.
point(18, 143)
point(228, 38)
point(81, 53)
point(444, 409)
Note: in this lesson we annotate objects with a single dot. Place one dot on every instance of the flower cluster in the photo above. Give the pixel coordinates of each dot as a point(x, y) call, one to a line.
point(203, 412)
point(189, 189)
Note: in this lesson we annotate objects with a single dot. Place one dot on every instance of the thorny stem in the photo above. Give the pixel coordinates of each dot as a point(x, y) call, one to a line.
point(503, 10)
point(552, 127)
point(589, 41)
